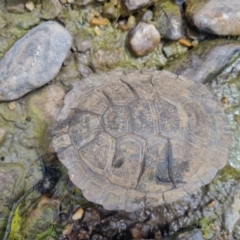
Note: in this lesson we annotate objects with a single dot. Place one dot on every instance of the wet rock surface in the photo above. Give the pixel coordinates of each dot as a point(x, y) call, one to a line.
point(26, 65)
point(215, 16)
point(213, 209)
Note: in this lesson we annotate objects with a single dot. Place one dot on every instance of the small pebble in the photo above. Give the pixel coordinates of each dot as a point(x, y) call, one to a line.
point(12, 105)
point(97, 31)
point(237, 118)
point(224, 100)
point(29, 6)
point(67, 230)
point(78, 214)
point(210, 204)
point(99, 21)
point(185, 42)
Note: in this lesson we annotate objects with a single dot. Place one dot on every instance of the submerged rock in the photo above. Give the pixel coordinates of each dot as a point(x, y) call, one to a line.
point(215, 16)
point(33, 60)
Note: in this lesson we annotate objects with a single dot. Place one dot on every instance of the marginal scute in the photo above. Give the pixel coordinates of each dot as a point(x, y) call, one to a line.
point(95, 102)
point(199, 123)
point(114, 197)
point(139, 139)
point(119, 93)
point(134, 199)
point(61, 141)
point(69, 158)
point(142, 85)
point(167, 84)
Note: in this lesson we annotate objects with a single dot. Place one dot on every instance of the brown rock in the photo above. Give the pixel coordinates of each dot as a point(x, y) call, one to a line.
point(143, 38)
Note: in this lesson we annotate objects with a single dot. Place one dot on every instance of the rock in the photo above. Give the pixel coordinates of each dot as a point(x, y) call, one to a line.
point(10, 174)
point(2, 22)
point(82, 2)
point(41, 216)
point(69, 71)
point(140, 231)
point(143, 38)
point(105, 59)
point(195, 234)
point(43, 106)
point(33, 60)
point(67, 230)
point(24, 21)
point(132, 5)
point(111, 10)
point(46, 103)
point(29, 6)
point(232, 214)
point(174, 49)
point(206, 61)
point(50, 9)
point(215, 16)
point(19, 8)
point(78, 214)
point(82, 41)
point(168, 17)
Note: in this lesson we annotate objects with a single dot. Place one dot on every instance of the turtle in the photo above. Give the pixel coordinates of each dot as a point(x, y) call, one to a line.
point(135, 139)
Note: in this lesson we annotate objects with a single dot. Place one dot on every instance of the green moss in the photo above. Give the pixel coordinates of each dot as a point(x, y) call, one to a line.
point(205, 225)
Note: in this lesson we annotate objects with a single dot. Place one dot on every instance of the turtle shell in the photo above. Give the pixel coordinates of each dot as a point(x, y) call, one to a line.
point(140, 138)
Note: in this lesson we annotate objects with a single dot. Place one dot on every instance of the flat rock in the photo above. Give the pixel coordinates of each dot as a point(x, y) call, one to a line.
point(206, 61)
point(215, 16)
point(33, 60)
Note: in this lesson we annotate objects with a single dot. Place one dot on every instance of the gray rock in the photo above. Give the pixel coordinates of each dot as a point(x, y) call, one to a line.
point(195, 234)
point(132, 5)
point(215, 16)
point(231, 215)
point(168, 17)
point(206, 61)
point(143, 38)
point(33, 60)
